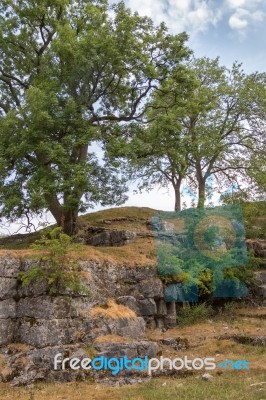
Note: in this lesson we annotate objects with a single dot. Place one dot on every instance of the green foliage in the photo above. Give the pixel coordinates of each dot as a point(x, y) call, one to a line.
point(199, 121)
point(207, 256)
point(255, 219)
point(228, 310)
point(56, 263)
point(191, 314)
point(70, 74)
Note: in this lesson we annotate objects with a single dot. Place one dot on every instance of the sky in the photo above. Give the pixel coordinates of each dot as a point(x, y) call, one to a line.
point(231, 29)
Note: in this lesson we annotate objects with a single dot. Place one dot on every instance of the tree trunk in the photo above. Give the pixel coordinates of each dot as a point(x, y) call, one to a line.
point(177, 196)
point(66, 219)
point(69, 222)
point(201, 193)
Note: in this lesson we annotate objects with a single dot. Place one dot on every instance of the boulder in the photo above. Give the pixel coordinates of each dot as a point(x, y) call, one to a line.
point(107, 237)
point(6, 331)
point(147, 307)
point(130, 349)
point(8, 288)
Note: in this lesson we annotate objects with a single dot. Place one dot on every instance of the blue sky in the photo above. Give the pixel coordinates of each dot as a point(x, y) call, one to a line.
point(231, 29)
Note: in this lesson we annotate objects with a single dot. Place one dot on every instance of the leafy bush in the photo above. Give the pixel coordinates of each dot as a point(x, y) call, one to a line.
point(192, 314)
point(228, 310)
point(56, 263)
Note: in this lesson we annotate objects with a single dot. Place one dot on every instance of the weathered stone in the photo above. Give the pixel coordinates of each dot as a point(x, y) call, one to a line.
point(131, 350)
point(128, 301)
point(42, 332)
point(9, 266)
point(261, 291)
point(160, 323)
point(150, 322)
point(170, 320)
point(260, 277)
point(161, 308)
point(34, 289)
point(179, 344)
point(133, 328)
point(6, 331)
point(147, 307)
point(169, 342)
point(207, 377)
point(104, 237)
point(167, 226)
point(151, 288)
point(47, 307)
point(8, 288)
point(258, 246)
point(7, 308)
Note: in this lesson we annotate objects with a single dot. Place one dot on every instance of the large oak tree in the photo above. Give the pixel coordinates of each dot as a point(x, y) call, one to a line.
point(68, 71)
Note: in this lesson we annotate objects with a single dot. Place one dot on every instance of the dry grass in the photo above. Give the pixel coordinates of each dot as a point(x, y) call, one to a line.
point(203, 339)
point(140, 252)
point(111, 339)
point(5, 371)
point(113, 310)
point(18, 347)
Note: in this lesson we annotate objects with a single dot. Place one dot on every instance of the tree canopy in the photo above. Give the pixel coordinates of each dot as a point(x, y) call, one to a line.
point(211, 123)
point(68, 71)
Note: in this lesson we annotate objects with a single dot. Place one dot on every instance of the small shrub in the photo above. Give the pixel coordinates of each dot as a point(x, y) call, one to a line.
point(228, 310)
point(192, 314)
point(56, 263)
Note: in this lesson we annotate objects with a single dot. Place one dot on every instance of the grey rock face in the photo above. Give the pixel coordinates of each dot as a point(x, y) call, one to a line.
point(8, 288)
point(147, 306)
point(6, 331)
point(131, 349)
point(258, 246)
point(131, 328)
point(128, 301)
point(7, 308)
point(259, 289)
point(9, 267)
point(107, 237)
point(45, 324)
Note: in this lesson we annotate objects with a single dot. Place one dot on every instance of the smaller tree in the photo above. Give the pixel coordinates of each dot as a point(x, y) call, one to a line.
point(157, 151)
point(56, 263)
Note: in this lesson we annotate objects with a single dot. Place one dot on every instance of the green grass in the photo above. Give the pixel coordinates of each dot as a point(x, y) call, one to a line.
point(229, 386)
point(189, 315)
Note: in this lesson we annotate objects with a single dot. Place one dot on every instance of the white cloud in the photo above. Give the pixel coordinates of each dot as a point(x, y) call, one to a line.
point(194, 16)
point(242, 17)
point(239, 20)
point(236, 3)
point(235, 22)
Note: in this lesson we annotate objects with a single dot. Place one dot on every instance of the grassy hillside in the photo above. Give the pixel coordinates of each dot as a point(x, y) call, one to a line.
point(136, 219)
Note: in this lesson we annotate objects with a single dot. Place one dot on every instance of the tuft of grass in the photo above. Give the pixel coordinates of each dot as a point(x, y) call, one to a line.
point(225, 387)
point(189, 315)
point(229, 310)
point(113, 310)
point(111, 339)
